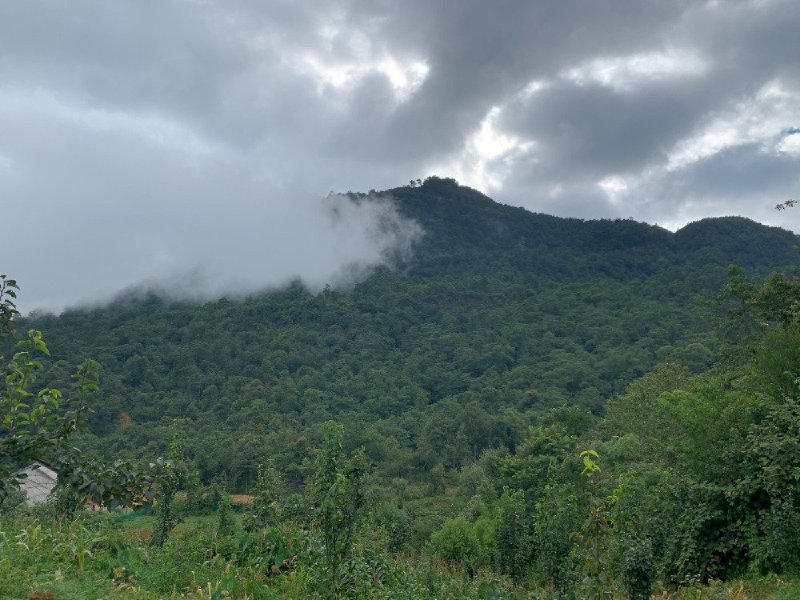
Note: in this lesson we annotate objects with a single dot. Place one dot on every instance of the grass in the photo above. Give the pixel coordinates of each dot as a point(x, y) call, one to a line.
point(99, 556)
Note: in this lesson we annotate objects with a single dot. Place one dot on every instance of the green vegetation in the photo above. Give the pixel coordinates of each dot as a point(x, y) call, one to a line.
point(525, 407)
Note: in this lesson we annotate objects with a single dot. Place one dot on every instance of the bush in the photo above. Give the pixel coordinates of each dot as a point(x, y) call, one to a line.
point(469, 544)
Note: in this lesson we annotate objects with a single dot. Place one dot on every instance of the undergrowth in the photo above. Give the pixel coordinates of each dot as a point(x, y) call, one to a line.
point(100, 556)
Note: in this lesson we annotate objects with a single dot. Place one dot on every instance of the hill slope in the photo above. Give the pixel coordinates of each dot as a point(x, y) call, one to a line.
point(498, 315)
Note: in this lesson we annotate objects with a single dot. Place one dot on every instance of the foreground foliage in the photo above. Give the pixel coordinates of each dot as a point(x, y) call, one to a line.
point(96, 556)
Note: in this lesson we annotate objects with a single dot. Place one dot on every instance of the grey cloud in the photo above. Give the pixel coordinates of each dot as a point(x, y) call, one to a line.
point(150, 214)
point(746, 170)
point(746, 180)
point(134, 134)
point(591, 130)
point(586, 132)
point(482, 53)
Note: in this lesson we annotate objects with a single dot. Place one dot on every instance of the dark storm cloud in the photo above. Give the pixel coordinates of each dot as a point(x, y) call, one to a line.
point(144, 140)
point(733, 86)
point(481, 53)
point(591, 130)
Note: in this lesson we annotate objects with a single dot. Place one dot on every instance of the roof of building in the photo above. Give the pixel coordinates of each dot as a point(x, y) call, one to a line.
point(38, 483)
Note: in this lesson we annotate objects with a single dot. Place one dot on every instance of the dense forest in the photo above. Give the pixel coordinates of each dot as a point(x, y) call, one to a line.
point(584, 408)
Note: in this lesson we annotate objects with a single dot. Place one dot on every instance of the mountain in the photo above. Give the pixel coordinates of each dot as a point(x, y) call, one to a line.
point(468, 232)
point(497, 316)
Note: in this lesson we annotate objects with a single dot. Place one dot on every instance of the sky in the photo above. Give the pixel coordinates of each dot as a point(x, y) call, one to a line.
point(193, 145)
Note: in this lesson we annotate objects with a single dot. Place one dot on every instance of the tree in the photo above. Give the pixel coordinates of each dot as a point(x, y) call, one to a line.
point(8, 308)
point(557, 516)
point(266, 507)
point(339, 493)
point(38, 425)
point(512, 534)
point(34, 424)
point(769, 488)
point(169, 474)
point(592, 538)
point(458, 540)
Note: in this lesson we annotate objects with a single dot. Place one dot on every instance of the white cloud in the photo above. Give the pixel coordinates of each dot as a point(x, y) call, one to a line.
point(534, 87)
point(760, 118)
point(614, 186)
point(789, 144)
point(626, 73)
point(404, 78)
point(345, 55)
point(114, 199)
point(488, 155)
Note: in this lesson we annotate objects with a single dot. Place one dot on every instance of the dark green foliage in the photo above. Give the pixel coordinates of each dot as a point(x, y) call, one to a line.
point(539, 459)
point(770, 488)
point(645, 508)
point(40, 426)
point(200, 498)
point(295, 509)
point(512, 534)
point(636, 411)
point(638, 569)
point(557, 516)
point(496, 316)
point(736, 240)
point(114, 485)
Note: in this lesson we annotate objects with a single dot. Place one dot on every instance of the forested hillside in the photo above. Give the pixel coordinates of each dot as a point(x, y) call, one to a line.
point(596, 408)
point(496, 315)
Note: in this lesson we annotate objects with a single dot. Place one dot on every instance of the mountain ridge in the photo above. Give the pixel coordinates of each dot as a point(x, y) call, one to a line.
point(460, 219)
